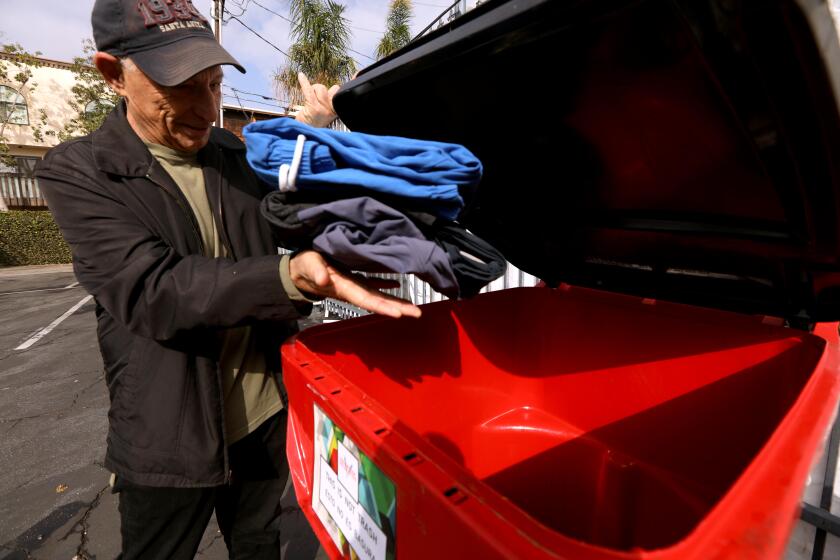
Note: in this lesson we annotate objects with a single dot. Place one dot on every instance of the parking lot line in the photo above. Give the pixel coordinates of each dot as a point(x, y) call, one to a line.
point(46, 330)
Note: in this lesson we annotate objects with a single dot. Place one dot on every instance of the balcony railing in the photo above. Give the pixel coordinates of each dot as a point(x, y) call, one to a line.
point(19, 191)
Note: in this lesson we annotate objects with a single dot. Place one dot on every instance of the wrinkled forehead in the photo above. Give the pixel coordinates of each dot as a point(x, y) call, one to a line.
point(208, 75)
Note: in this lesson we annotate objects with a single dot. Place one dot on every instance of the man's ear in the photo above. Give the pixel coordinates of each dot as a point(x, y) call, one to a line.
point(112, 71)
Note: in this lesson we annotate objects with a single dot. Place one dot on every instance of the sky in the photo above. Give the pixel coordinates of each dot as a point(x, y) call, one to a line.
point(58, 27)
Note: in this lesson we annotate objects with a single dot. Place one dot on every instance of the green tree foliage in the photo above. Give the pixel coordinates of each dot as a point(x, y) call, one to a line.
point(321, 40)
point(17, 67)
point(398, 32)
point(92, 98)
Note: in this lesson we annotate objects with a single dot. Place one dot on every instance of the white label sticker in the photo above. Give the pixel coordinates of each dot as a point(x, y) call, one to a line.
point(348, 470)
point(361, 531)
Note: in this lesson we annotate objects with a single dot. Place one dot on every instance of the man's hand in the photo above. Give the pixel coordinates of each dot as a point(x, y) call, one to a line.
point(317, 103)
point(313, 275)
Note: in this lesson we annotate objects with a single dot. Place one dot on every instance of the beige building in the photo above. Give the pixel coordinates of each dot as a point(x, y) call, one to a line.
point(52, 92)
point(49, 90)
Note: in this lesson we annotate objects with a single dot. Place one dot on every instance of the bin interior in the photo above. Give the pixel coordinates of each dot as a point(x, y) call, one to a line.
point(609, 419)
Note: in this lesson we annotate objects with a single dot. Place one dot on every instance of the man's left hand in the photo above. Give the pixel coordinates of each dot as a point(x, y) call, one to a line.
point(314, 275)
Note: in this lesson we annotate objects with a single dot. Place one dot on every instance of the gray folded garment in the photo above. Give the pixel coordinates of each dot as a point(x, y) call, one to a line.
point(473, 261)
point(366, 235)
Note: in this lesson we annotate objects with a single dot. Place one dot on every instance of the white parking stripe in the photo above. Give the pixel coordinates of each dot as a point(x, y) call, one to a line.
point(70, 287)
point(46, 330)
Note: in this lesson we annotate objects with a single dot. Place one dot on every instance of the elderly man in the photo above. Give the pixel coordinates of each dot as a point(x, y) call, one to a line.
point(192, 300)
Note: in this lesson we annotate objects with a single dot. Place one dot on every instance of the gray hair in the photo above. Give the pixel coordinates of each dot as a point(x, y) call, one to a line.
point(127, 64)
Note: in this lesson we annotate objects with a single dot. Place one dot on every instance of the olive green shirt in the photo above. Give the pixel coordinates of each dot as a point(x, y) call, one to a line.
point(250, 392)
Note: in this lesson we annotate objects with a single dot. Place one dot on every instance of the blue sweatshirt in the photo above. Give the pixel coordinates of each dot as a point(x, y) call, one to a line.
point(419, 170)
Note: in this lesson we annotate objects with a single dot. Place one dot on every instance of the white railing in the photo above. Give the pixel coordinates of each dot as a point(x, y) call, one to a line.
point(419, 292)
point(20, 192)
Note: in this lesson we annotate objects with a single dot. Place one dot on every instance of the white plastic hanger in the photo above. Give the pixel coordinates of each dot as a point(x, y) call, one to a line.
point(287, 173)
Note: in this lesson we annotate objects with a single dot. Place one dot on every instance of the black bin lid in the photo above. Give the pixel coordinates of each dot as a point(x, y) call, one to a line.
point(677, 149)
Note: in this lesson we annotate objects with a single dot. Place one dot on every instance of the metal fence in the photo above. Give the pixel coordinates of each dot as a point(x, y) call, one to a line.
point(19, 191)
point(420, 292)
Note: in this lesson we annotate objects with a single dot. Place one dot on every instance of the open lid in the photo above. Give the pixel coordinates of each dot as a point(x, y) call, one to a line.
point(677, 149)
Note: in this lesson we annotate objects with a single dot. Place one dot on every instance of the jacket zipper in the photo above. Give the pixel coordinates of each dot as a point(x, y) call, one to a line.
point(224, 237)
point(191, 218)
point(187, 212)
point(222, 225)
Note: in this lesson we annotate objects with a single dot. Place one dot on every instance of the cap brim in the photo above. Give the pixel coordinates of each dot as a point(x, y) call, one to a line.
point(177, 62)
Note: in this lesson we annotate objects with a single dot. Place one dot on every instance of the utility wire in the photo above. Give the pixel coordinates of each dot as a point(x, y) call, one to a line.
point(434, 21)
point(275, 47)
point(242, 7)
point(243, 108)
point(245, 25)
point(363, 54)
point(290, 21)
point(275, 103)
point(229, 96)
point(272, 11)
point(260, 95)
point(371, 30)
point(259, 103)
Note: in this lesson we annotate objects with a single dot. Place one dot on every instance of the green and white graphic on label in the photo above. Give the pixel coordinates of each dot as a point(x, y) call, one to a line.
point(354, 500)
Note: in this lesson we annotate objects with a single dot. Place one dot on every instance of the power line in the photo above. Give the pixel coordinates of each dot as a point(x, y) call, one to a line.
point(292, 22)
point(238, 92)
point(245, 25)
point(363, 54)
point(275, 47)
point(242, 7)
point(371, 30)
point(257, 102)
point(272, 11)
point(434, 21)
point(249, 100)
point(241, 107)
point(267, 97)
point(251, 110)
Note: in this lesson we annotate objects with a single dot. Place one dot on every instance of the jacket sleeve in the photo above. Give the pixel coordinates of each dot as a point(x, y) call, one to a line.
point(142, 281)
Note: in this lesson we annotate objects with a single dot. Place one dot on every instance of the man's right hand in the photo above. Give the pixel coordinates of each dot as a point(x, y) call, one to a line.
point(314, 275)
point(317, 107)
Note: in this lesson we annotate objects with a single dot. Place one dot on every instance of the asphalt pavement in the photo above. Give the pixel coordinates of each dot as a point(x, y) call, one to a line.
point(55, 501)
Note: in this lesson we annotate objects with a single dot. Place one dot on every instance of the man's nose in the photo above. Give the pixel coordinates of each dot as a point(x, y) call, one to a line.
point(207, 104)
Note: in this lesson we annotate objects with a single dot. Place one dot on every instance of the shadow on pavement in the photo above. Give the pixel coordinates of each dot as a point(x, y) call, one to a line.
point(23, 545)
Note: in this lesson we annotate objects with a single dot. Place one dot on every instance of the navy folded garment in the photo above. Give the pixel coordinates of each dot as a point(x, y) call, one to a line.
point(364, 234)
point(433, 172)
point(354, 223)
point(474, 261)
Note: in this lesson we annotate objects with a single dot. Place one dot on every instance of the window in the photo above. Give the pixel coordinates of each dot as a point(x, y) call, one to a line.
point(12, 107)
point(98, 106)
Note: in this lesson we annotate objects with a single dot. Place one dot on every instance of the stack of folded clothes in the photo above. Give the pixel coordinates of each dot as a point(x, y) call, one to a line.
point(374, 203)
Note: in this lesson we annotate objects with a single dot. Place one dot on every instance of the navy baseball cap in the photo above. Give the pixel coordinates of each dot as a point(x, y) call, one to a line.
point(169, 40)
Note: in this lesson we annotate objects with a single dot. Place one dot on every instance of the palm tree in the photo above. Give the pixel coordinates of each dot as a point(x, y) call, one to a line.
point(398, 33)
point(321, 41)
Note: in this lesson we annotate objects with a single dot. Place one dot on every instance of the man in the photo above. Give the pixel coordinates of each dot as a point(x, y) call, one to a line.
point(192, 301)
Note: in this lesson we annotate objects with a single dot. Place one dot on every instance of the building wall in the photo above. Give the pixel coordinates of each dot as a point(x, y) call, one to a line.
point(55, 81)
point(236, 119)
point(54, 84)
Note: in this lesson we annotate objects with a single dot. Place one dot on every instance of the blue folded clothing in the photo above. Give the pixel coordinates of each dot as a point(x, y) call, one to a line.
point(418, 170)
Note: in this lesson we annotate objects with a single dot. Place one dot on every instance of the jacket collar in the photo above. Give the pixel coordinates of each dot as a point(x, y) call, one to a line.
point(118, 150)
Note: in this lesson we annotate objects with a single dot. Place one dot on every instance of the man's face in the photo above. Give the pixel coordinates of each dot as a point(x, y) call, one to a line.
point(178, 117)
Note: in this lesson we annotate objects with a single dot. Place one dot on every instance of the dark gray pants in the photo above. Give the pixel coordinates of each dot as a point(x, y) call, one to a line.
point(168, 523)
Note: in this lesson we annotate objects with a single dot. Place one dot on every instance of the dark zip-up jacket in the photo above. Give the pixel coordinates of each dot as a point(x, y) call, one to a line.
point(159, 302)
